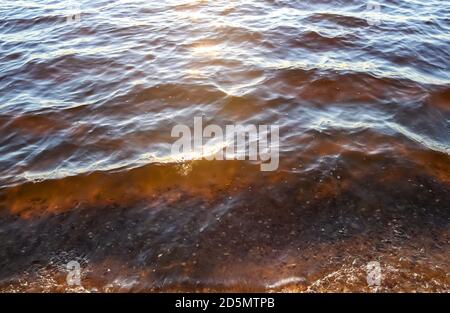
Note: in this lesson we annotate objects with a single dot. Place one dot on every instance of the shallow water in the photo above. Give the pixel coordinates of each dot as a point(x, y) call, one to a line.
point(87, 107)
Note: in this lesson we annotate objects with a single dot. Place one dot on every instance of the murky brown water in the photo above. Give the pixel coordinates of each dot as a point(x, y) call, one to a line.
point(87, 109)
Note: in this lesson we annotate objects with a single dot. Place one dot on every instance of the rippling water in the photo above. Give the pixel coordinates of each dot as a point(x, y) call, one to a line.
point(88, 101)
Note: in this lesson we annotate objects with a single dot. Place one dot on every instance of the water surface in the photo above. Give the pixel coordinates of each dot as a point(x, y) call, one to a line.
point(362, 100)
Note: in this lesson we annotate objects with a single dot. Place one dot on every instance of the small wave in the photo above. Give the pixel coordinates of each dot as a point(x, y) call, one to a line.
point(286, 282)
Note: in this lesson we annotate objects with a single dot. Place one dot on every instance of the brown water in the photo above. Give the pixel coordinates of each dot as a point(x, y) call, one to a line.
point(87, 109)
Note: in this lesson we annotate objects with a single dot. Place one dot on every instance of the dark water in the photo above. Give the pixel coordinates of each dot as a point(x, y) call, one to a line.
point(86, 112)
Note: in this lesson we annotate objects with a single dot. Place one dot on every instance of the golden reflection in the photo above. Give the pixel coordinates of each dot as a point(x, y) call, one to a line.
point(193, 72)
point(206, 50)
